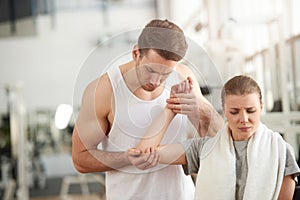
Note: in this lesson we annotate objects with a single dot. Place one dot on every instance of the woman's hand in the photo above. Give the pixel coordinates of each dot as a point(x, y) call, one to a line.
point(185, 87)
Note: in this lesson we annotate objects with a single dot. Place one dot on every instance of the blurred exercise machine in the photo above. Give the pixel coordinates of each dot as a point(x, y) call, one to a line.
point(13, 152)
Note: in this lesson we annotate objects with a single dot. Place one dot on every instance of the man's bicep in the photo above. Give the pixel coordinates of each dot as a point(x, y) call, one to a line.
point(89, 132)
point(92, 124)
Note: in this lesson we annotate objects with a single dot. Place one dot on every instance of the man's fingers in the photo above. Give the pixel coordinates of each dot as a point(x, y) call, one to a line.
point(180, 108)
point(179, 103)
point(147, 164)
point(134, 152)
point(181, 112)
point(154, 161)
point(141, 162)
point(182, 95)
point(149, 160)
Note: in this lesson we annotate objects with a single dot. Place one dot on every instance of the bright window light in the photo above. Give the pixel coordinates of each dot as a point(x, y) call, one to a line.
point(63, 115)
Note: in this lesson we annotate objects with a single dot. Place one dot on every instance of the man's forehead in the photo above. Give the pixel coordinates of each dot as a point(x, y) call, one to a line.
point(158, 67)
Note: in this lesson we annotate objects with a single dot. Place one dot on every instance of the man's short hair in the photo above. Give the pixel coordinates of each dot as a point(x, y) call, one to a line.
point(165, 38)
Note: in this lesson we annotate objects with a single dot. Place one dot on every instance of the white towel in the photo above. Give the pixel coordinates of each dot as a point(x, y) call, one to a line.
point(266, 157)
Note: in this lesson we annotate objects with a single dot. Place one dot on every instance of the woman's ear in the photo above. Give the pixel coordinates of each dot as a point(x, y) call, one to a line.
point(135, 52)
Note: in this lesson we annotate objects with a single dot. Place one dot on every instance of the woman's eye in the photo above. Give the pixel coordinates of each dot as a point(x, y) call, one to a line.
point(233, 112)
point(251, 111)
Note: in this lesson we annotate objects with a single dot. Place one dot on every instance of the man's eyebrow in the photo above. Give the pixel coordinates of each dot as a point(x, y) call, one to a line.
point(150, 68)
point(167, 73)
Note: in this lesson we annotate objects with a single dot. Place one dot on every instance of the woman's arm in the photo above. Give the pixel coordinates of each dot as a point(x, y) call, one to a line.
point(287, 188)
point(155, 133)
point(171, 154)
point(167, 154)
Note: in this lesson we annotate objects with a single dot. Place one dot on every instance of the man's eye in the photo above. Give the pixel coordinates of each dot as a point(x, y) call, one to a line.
point(150, 70)
point(166, 74)
point(234, 112)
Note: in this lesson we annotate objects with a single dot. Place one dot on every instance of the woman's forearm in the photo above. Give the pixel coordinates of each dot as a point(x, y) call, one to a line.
point(172, 154)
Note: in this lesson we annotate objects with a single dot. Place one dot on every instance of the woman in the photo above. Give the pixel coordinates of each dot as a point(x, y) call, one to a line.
point(245, 160)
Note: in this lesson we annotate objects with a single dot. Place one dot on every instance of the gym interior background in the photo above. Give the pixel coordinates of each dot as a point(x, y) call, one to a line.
point(45, 44)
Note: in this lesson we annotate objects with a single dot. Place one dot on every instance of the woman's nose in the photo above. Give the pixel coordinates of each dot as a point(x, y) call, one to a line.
point(244, 117)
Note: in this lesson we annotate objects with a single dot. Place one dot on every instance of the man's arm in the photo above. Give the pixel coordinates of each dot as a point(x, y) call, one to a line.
point(91, 128)
point(206, 120)
point(91, 159)
point(199, 110)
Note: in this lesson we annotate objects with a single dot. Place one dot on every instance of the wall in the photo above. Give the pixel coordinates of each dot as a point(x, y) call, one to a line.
point(48, 62)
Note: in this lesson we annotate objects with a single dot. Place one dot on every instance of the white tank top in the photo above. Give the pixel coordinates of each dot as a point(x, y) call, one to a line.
point(132, 117)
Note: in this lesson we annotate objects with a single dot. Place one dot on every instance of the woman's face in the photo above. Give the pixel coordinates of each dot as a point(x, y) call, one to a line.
point(243, 114)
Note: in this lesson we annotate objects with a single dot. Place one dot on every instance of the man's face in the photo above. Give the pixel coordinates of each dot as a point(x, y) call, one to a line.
point(152, 70)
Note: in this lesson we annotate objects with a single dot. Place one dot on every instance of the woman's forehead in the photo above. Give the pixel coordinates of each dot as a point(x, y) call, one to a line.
point(246, 99)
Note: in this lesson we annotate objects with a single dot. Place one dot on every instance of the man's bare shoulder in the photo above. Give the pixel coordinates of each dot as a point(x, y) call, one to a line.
point(99, 87)
point(184, 70)
point(98, 94)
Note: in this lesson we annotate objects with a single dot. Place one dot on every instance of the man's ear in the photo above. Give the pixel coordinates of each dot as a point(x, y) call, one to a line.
point(135, 52)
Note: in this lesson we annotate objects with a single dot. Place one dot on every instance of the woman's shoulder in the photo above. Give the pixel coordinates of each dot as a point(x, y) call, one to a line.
point(291, 167)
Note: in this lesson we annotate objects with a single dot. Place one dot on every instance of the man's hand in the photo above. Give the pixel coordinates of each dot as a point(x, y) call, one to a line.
point(143, 160)
point(183, 99)
point(187, 99)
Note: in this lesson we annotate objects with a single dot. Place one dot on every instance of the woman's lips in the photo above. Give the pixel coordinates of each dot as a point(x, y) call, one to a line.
point(245, 129)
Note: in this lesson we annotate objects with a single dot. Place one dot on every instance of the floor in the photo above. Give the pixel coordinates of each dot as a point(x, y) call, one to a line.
point(71, 187)
point(64, 183)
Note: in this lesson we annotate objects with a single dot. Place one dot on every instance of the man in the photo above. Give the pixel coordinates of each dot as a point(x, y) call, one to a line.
point(118, 107)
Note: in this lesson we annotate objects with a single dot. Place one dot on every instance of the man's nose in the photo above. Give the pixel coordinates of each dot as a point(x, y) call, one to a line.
point(155, 79)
